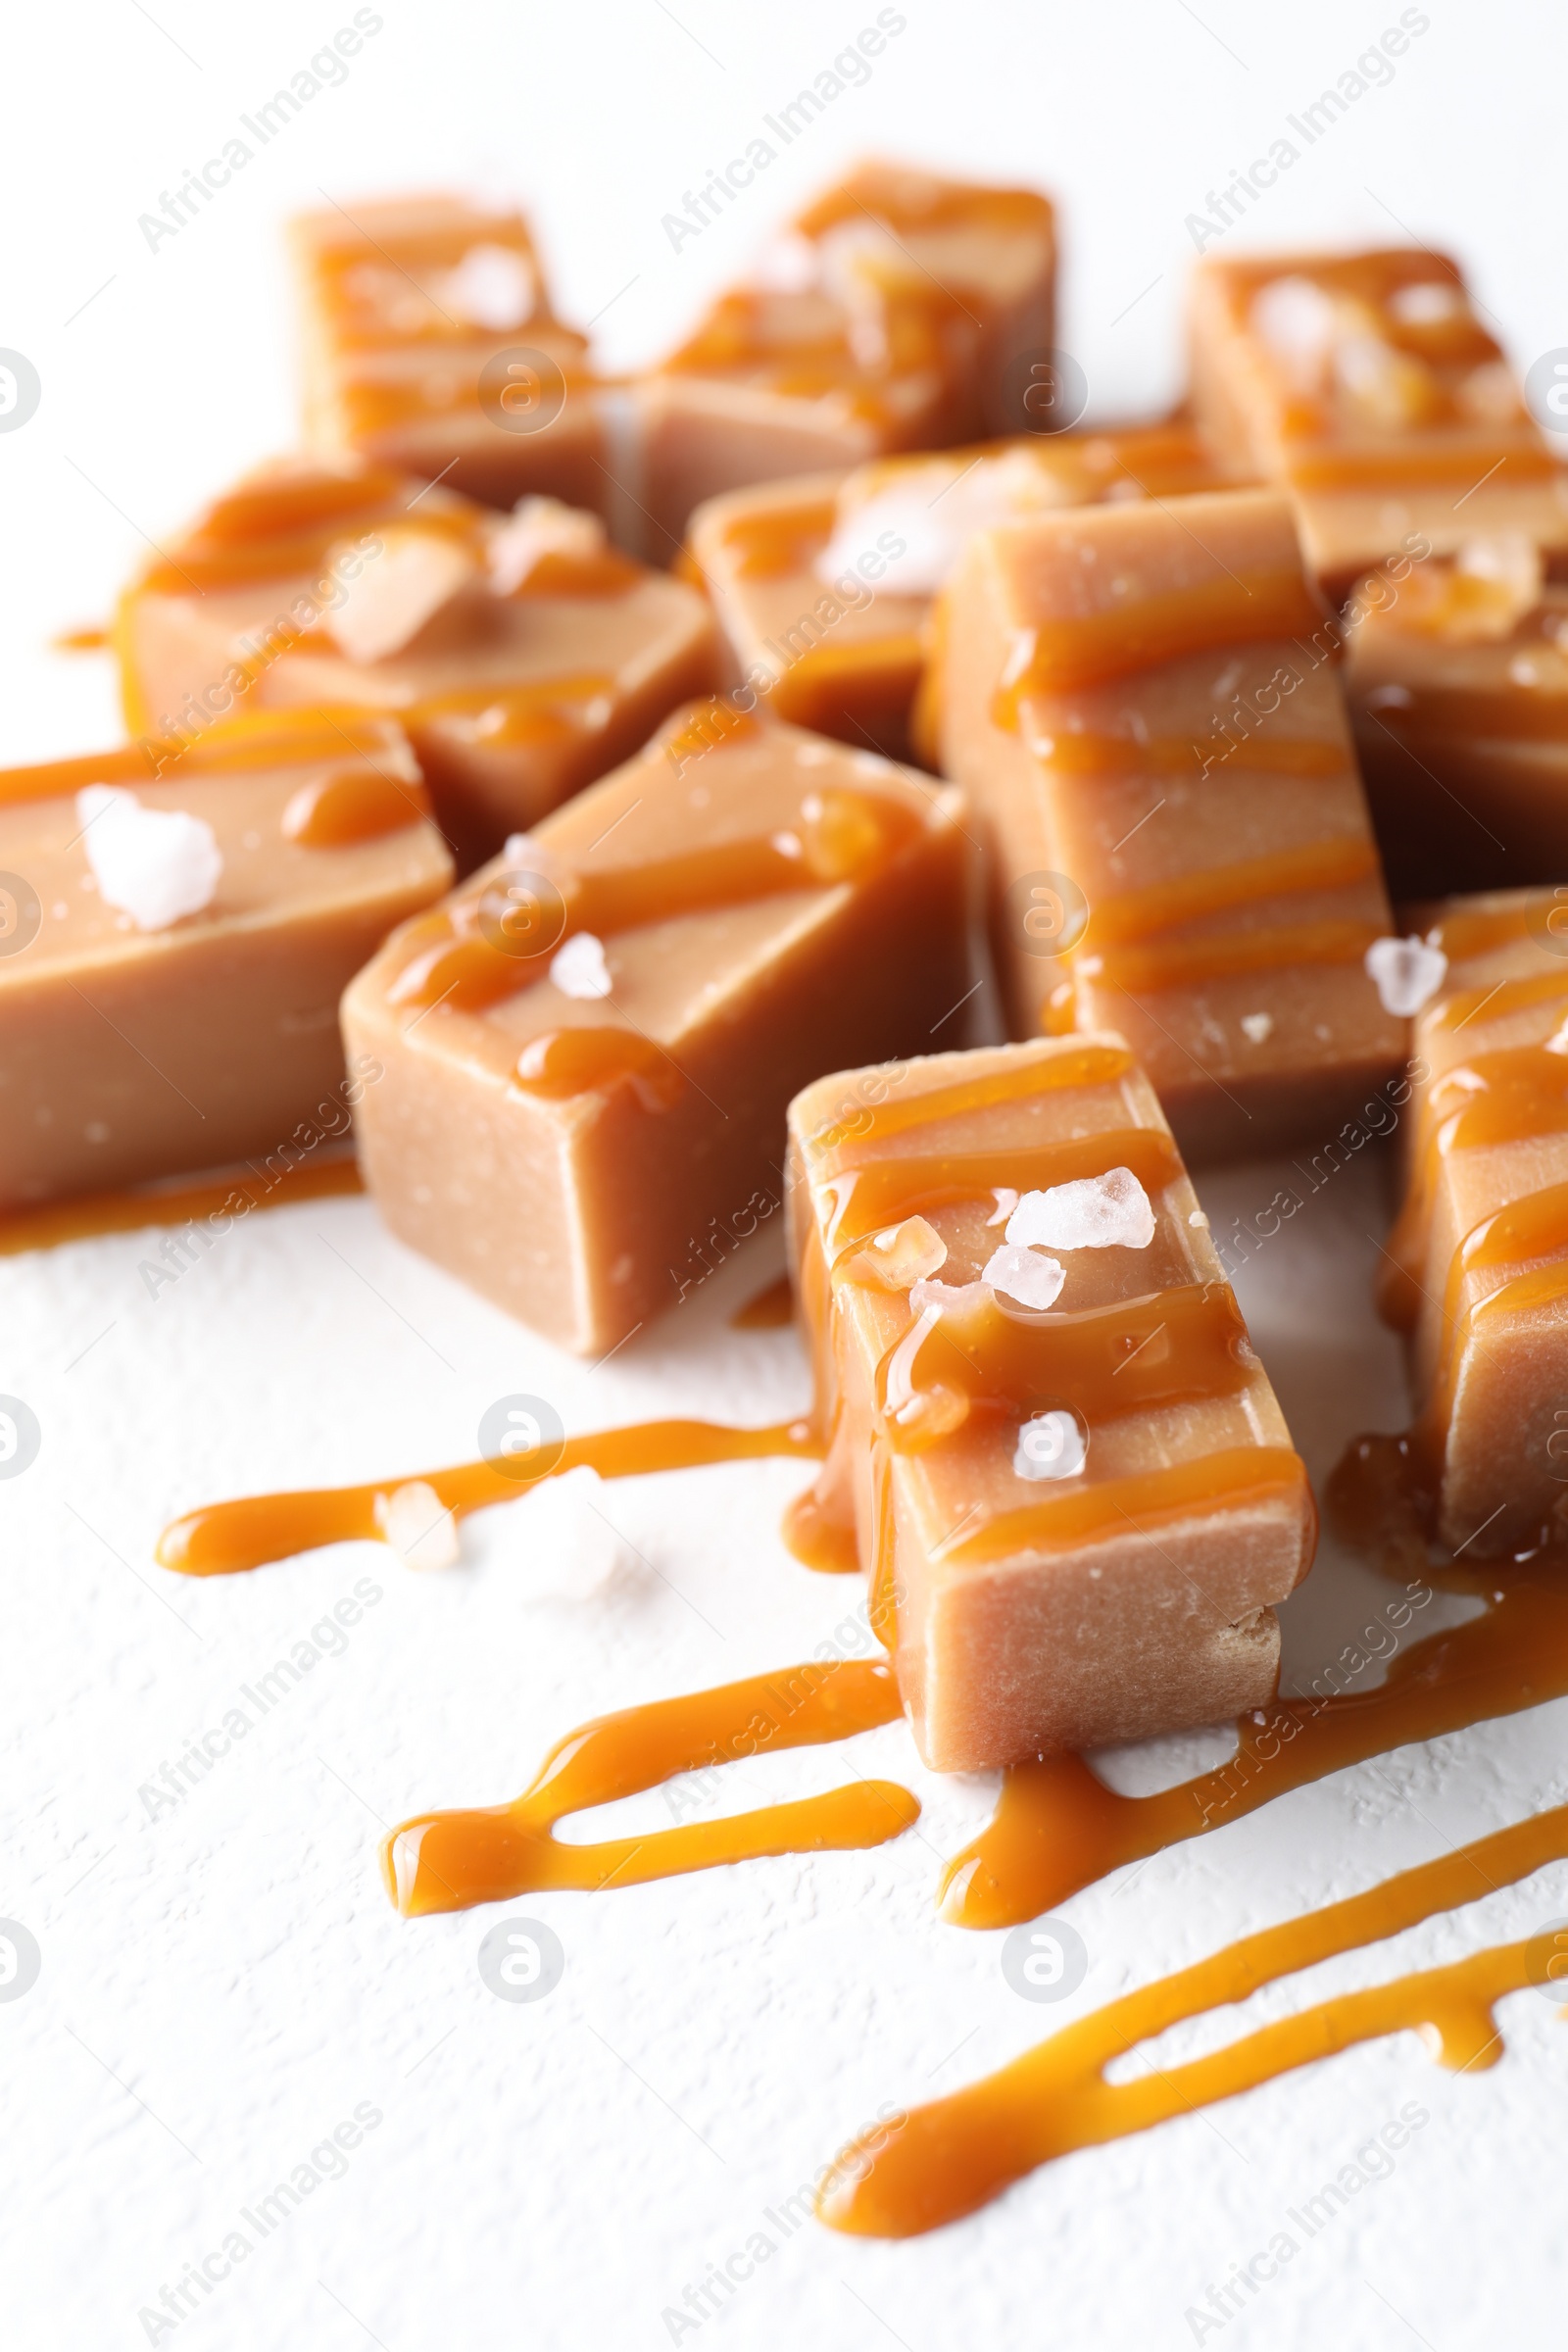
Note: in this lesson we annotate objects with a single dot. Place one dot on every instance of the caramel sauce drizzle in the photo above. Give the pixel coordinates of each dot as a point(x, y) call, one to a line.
point(350, 804)
point(878, 1192)
point(948, 2158)
point(225, 1538)
point(175, 1204)
point(1392, 464)
point(1089, 1064)
point(780, 540)
point(840, 835)
point(451, 1861)
point(830, 682)
point(1186, 963)
point(1240, 1477)
point(1239, 610)
point(255, 739)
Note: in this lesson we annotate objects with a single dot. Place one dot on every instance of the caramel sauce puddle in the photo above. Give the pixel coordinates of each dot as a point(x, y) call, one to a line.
point(450, 1861)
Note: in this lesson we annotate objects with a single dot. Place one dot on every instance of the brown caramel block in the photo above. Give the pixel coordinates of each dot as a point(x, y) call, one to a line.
point(1457, 678)
point(895, 313)
point(1365, 385)
point(823, 587)
point(513, 700)
point(136, 1040)
point(1141, 703)
point(570, 1153)
point(413, 313)
point(1127, 1587)
point(1482, 1244)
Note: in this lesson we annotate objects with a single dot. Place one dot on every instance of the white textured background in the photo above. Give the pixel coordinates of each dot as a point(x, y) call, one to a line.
point(222, 1985)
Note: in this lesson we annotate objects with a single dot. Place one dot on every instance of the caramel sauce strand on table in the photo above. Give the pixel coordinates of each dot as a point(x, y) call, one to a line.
point(1057, 1829)
point(175, 1204)
point(224, 1537)
point(450, 1861)
point(945, 2159)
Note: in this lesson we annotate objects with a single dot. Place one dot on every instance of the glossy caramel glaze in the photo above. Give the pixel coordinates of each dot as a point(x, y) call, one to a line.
point(468, 954)
point(450, 1861)
point(1070, 654)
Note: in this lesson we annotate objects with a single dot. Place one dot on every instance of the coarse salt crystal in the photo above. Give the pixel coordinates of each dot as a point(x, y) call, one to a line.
point(416, 574)
point(1094, 1212)
point(154, 864)
point(493, 286)
point(579, 969)
point(1027, 1276)
point(1257, 1026)
point(535, 528)
point(1407, 972)
point(417, 1524)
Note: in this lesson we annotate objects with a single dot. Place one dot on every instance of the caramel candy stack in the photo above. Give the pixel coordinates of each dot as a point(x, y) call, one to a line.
point(431, 346)
point(1478, 1276)
point(1365, 386)
point(823, 587)
point(1052, 1444)
point(1142, 704)
point(590, 1048)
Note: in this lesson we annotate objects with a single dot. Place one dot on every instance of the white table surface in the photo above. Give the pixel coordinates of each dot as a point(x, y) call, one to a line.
point(224, 1984)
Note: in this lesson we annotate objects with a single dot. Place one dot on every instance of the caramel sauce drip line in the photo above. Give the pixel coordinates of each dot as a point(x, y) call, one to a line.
point(945, 2159)
point(225, 1538)
point(175, 1204)
point(451, 1861)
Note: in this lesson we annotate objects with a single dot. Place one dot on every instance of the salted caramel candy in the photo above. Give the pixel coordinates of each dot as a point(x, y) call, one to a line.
point(590, 1047)
point(823, 587)
point(894, 313)
point(523, 655)
point(1141, 701)
point(1062, 1465)
point(1458, 677)
point(1477, 1268)
point(431, 346)
point(181, 924)
point(1365, 386)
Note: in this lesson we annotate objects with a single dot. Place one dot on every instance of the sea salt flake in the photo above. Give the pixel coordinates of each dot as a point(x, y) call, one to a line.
point(569, 1548)
point(535, 528)
point(416, 574)
point(154, 864)
point(1026, 1276)
point(1257, 1026)
point(493, 286)
point(1407, 972)
point(1006, 1200)
point(417, 1525)
point(1049, 1446)
point(579, 969)
point(1094, 1212)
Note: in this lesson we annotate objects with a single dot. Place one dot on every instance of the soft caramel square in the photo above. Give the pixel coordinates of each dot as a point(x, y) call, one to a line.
point(1366, 387)
point(590, 1048)
point(522, 656)
point(1141, 701)
point(823, 587)
point(1066, 1474)
point(431, 347)
point(1456, 671)
point(176, 932)
point(895, 313)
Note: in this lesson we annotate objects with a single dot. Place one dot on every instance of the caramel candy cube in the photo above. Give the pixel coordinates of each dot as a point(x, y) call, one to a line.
point(1141, 701)
point(1365, 386)
point(1458, 677)
point(1068, 1477)
point(590, 1046)
point(898, 312)
point(1478, 1263)
point(823, 587)
point(431, 346)
point(523, 655)
point(174, 935)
